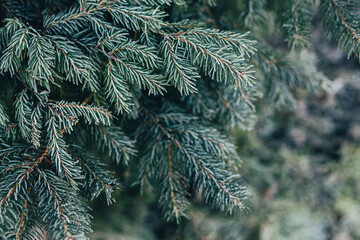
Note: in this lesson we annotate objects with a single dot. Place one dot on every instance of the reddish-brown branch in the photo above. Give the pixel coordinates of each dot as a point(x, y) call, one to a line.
point(346, 24)
point(17, 184)
point(82, 106)
point(59, 206)
point(21, 223)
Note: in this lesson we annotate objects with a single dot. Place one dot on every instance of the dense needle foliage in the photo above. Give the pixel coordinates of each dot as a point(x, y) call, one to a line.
point(153, 84)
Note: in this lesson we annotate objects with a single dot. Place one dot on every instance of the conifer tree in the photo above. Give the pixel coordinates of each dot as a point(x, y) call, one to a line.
point(154, 85)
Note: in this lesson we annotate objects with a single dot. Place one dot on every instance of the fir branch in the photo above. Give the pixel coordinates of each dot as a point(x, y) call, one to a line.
point(13, 55)
point(115, 142)
point(341, 18)
point(143, 78)
point(65, 165)
point(4, 118)
point(203, 163)
point(296, 22)
point(111, 37)
point(97, 179)
point(23, 107)
point(117, 89)
point(41, 60)
point(74, 14)
point(66, 216)
point(178, 71)
point(220, 65)
point(253, 13)
point(144, 55)
point(91, 114)
point(223, 39)
point(172, 196)
point(70, 60)
point(36, 126)
point(137, 17)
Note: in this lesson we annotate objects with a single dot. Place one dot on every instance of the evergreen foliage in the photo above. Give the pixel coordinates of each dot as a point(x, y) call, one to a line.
point(342, 21)
point(296, 22)
point(84, 79)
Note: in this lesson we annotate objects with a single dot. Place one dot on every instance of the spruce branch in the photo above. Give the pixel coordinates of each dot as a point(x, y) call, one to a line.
point(143, 78)
point(111, 37)
point(97, 179)
point(224, 39)
point(142, 54)
point(137, 17)
point(115, 142)
point(41, 60)
point(12, 56)
point(217, 63)
point(90, 113)
point(200, 153)
point(21, 224)
point(16, 150)
point(254, 13)
point(117, 89)
point(284, 73)
point(157, 2)
point(66, 216)
point(4, 118)
point(65, 165)
point(15, 191)
point(23, 107)
point(296, 22)
point(178, 71)
point(76, 15)
point(172, 194)
point(16, 182)
point(78, 67)
point(341, 19)
point(177, 87)
point(36, 121)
